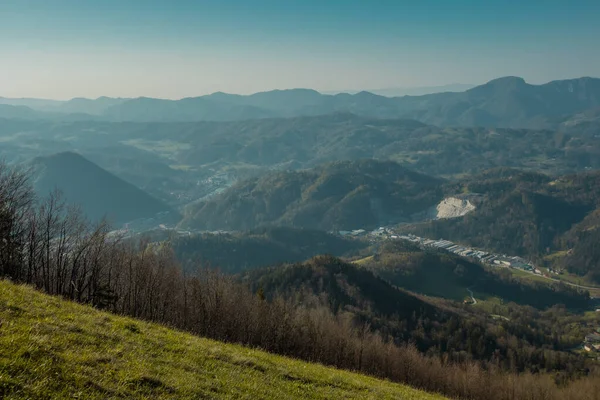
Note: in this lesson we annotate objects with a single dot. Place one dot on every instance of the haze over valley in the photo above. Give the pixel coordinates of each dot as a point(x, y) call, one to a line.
point(298, 200)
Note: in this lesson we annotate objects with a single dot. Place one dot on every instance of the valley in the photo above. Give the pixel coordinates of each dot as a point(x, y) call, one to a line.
point(491, 259)
point(299, 200)
point(203, 163)
point(356, 231)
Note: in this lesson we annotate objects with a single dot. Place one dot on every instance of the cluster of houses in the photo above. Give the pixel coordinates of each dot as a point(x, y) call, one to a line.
point(203, 188)
point(380, 233)
point(592, 342)
point(499, 260)
point(216, 182)
point(493, 259)
point(213, 185)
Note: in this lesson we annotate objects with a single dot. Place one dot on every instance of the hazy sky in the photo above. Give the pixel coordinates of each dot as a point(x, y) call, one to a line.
point(178, 48)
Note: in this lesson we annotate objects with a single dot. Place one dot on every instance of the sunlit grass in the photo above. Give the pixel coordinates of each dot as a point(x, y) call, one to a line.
point(363, 261)
point(51, 348)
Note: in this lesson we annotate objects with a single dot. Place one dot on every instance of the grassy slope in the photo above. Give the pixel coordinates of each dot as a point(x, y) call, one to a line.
point(51, 348)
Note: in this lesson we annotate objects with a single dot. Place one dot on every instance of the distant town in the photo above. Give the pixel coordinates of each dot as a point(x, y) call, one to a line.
point(591, 343)
point(489, 258)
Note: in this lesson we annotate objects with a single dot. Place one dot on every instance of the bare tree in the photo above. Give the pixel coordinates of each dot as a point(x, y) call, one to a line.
point(16, 201)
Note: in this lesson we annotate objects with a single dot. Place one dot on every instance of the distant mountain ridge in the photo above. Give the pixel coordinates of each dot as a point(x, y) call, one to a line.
point(98, 192)
point(410, 90)
point(502, 102)
point(17, 111)
point(77, 105)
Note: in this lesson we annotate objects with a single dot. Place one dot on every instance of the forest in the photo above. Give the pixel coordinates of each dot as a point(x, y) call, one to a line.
point(547, 219)
point(48, 245)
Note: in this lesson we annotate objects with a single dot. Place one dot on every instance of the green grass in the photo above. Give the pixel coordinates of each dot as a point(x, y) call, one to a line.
point(444, 288)
point(51, 348)
point(572, 278)
point(555, 255)
point(493, 306)
point(527, 275)
point(363, 261)
point(565, 277)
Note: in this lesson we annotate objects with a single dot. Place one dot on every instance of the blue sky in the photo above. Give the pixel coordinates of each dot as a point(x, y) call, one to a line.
point(174, 49)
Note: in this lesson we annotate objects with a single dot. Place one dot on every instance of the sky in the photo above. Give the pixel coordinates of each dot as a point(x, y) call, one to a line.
point(62, 49)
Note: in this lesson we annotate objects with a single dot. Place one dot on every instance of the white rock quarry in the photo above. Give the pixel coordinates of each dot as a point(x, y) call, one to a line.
point(453, 207)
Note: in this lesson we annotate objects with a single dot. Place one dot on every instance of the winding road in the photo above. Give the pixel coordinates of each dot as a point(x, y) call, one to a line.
point(471, 294)
point(565, 282)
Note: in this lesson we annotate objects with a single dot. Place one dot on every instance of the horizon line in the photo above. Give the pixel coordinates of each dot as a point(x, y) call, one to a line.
point(328, 92)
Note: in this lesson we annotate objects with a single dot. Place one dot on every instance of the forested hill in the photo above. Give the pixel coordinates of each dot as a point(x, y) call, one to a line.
point(528, 340)
point(198, 150)
point(239, 251)
point(324, 310)
point(344, 286)
point(551, 220)
point(342, 195)
point(442, 274)
point(529, 214)
point(98, 192)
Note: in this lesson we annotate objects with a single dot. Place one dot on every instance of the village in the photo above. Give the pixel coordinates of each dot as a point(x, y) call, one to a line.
point(489, 258)
point(591, 343)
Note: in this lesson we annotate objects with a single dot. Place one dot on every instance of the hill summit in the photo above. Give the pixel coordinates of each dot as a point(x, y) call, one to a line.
point(98, 192)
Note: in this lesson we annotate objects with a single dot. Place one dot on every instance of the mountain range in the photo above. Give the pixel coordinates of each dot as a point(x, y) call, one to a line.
point(179, 162)
point(411, 91)
point(277, 170)
point(503, 102)
point(73, 106)
point(551, 220)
